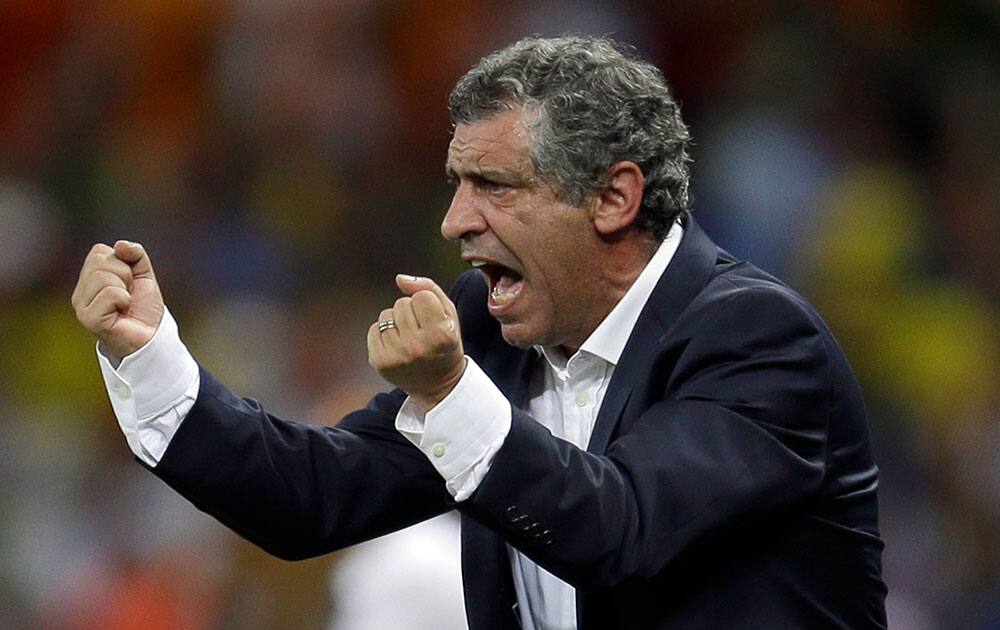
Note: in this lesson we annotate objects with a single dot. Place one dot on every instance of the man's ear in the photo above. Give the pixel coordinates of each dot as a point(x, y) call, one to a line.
point(619, 203)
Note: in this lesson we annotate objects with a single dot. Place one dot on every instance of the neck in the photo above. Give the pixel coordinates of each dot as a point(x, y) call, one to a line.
point(620, 264)
point(569, 351)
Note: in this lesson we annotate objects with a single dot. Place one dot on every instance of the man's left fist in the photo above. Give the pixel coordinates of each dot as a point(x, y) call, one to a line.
point(422, 354)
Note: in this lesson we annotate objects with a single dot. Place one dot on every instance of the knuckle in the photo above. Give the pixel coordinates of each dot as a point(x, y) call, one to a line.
point(118, 265)
point(402, 302)
point(445, 330)
point(89, 320)
point(440, 343)
point(424, 298)
point(400, 354)
point(445, 345)
point(106, 277)
point(109, 291)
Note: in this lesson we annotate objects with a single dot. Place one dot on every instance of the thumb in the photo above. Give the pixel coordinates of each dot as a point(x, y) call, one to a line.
point(135, 255)
point(411, 284)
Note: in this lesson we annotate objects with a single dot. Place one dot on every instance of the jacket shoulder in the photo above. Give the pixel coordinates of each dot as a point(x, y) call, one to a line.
point(757, 297)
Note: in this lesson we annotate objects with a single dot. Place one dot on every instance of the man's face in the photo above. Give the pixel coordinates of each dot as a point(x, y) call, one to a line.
point(532, 248)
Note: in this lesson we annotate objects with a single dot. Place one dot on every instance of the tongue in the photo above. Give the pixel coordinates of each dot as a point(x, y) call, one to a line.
point(506, 283)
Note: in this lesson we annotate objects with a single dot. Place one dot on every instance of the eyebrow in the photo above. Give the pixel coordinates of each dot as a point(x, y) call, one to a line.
point(503, 177)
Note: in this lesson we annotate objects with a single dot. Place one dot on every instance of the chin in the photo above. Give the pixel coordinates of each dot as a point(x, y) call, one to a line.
point(518, 336)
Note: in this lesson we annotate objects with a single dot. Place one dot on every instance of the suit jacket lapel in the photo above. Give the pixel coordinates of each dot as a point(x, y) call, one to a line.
point(685, 276)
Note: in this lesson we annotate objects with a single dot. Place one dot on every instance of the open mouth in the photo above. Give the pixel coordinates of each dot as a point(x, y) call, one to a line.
point(505, 283)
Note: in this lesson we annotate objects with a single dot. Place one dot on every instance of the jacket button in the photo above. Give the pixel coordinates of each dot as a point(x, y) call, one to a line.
point(513, 513)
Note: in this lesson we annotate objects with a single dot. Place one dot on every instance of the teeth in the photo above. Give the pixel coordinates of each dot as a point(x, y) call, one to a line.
point(478, 263)
point(501, 298)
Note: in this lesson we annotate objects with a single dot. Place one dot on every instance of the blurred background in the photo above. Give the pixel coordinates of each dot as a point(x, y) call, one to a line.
point(281, 161)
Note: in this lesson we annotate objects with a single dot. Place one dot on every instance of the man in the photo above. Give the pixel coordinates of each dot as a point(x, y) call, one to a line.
point(638, 430)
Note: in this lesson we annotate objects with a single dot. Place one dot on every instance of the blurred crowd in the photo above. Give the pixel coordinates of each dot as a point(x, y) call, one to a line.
point(282, 161)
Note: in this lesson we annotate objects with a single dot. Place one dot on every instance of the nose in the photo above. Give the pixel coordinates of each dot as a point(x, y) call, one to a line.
point(464, 217)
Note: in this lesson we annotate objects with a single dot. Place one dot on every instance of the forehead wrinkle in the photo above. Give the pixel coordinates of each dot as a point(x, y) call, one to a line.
point(477, 157)
point(499, 145)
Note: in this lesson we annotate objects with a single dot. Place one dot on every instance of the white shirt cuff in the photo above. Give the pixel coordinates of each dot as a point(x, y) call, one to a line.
point(463, 432)
point(152, 390)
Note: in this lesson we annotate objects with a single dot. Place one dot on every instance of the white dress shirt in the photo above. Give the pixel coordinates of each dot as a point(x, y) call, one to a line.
point(154, 388)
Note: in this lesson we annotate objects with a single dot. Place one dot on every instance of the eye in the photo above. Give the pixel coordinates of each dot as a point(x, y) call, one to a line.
point(490, 186)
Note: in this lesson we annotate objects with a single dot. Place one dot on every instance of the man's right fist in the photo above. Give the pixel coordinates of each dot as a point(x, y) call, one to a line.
point(117, 297)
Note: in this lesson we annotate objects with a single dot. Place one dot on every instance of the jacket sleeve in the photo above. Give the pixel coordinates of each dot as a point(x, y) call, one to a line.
point(299, 490)
point(738, 429)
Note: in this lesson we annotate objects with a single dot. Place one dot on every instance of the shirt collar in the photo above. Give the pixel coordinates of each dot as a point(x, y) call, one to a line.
point(609, 338)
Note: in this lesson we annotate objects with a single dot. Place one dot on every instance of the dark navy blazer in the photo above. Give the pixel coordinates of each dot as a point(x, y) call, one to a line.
point(729, 481)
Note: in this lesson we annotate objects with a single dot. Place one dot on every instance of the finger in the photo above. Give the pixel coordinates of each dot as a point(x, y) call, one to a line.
point(406, 320)
point(96, 282)
point(107, 269)
point(108, 300)
point(411, 284)
point(428, 308)
point(136, 257)
point(387, 336)
point(97, 272)
point(90, 262)
point(120, 269)
point(374, 344)
point(97, 253)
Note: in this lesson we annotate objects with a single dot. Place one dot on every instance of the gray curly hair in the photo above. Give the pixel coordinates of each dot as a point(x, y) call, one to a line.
point(595, 104)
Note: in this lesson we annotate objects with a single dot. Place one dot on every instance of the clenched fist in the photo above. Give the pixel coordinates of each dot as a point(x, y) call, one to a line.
point(422, 354)
point(117, 297)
